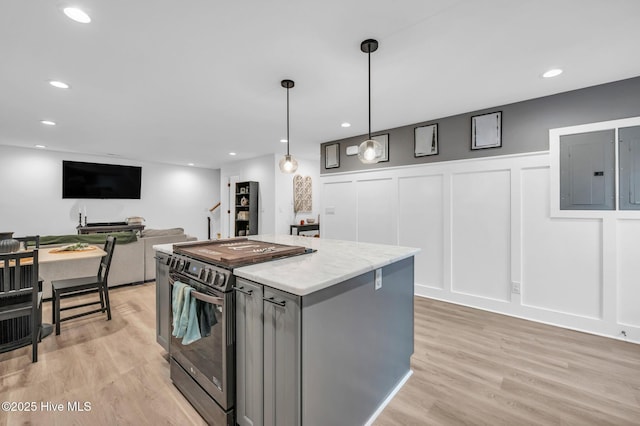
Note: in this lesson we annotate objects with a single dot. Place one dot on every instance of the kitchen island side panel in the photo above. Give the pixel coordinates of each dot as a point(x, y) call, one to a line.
point(356, 345)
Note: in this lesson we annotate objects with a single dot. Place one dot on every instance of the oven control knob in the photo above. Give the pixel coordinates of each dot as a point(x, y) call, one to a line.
point(181, 266)
point(210, 276)
point(202, 275)
point(220, 278)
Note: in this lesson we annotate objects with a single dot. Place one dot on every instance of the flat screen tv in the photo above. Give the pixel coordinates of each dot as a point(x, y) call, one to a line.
point(94, 180)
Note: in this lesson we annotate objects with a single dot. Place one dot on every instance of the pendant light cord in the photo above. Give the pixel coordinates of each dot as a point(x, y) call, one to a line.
point(369, 57)
point(287, 121)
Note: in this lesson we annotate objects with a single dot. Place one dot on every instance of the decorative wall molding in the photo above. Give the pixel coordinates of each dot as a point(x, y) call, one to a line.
point(577, 273)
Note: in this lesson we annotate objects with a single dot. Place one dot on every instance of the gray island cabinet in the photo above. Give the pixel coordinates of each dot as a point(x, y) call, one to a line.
point(321, 339)
point(163, 296)
point(324, 338)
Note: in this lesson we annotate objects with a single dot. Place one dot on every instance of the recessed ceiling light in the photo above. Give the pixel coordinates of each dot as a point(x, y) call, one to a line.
point(190, 164)
point(59, 84)
point(48, 122)
point(232, 153)
point(77, 15)
point(345, 124)
point(41, 146)
point(283, 140)
point(552, 73)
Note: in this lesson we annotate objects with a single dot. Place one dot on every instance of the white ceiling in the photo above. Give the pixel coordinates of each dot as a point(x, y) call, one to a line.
point(189, 81)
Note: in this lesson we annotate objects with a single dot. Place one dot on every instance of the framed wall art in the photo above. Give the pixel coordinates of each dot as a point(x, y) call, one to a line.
point(425, 140)
point(486, 130)
point(384, 141)
point(332, 156)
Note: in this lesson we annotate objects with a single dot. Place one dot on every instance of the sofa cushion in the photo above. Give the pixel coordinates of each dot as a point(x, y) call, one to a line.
point(161, 232)
point(121, 238)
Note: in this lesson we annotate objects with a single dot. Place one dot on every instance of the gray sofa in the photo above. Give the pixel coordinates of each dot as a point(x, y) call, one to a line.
point(132, 262)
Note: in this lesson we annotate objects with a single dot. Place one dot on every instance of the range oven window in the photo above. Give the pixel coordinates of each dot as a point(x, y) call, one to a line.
point(207, 353)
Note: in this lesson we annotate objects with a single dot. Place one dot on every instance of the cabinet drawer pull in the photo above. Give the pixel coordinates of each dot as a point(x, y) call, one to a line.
point(275, 302)
point(243, 291)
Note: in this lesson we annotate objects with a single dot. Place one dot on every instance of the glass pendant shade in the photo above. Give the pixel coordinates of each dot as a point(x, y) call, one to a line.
point(288, 164)
point(370, 151)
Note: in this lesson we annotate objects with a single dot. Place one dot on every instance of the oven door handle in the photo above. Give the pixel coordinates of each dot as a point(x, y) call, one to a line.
point(205, 297)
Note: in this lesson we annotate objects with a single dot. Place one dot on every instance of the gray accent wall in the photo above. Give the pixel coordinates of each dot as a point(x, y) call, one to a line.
point(525, 126)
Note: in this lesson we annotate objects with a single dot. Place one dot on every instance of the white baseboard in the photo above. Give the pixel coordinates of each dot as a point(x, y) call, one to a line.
point(386, 402)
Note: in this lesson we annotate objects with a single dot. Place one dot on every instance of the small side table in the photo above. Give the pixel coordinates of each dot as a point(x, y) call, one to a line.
point(301, 228)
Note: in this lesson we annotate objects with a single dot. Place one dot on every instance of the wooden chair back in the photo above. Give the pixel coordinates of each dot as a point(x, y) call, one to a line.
point(20, 308)
point(19, 274)
point(105, 261)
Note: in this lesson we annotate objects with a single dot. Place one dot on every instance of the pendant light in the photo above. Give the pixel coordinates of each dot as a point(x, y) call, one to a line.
point(369, 151)
point(288, 164)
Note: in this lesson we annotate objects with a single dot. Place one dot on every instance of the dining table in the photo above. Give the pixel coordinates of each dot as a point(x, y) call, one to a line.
point(62, 262)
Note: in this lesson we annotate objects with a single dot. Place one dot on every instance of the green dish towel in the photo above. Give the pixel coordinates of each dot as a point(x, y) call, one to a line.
point(192, 332)
point(177, 304)
point(121, 238)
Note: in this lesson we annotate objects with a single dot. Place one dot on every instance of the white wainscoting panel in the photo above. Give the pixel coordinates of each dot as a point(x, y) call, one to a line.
point(339, 211)
point(376, 211)
point(629, 272)
point(421, 224)
point(480, 234)
point(485, 223)
point(562, 258)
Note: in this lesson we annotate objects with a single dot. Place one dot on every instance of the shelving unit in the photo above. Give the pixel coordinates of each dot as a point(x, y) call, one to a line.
point(246, 206)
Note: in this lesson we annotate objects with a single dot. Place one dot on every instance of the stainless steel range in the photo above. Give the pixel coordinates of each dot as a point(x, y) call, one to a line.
point(204, 370)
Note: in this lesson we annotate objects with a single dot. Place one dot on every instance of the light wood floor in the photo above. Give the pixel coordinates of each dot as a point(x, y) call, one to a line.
point(470, 367)
point(115, 365)
point(473, 367)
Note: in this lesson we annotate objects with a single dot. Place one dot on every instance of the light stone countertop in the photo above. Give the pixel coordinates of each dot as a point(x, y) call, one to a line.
point(164, 248)
point(333, 261)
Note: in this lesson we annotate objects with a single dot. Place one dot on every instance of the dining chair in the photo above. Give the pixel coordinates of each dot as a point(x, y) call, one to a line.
point(62, 289)
point(31, 241)
point(20, 301)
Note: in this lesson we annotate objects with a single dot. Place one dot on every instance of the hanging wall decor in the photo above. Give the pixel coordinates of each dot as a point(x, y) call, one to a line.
point(332, 156)
point(383, 140)
point(486, 130)
point(302, 194)
point(425, 140)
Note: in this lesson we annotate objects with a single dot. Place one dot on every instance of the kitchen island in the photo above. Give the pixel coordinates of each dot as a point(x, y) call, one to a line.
point(322, 338)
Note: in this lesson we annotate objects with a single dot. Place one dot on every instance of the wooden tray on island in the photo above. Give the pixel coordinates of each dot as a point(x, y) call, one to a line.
point(235, 252)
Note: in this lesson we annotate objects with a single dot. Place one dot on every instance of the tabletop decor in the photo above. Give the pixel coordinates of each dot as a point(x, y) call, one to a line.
point(73, 247)
point(7, 243)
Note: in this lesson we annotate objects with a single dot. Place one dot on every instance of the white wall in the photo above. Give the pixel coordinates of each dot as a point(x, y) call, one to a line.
point(32, 203)
point(276, 192)
point(257, 169)
point(484, 225)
